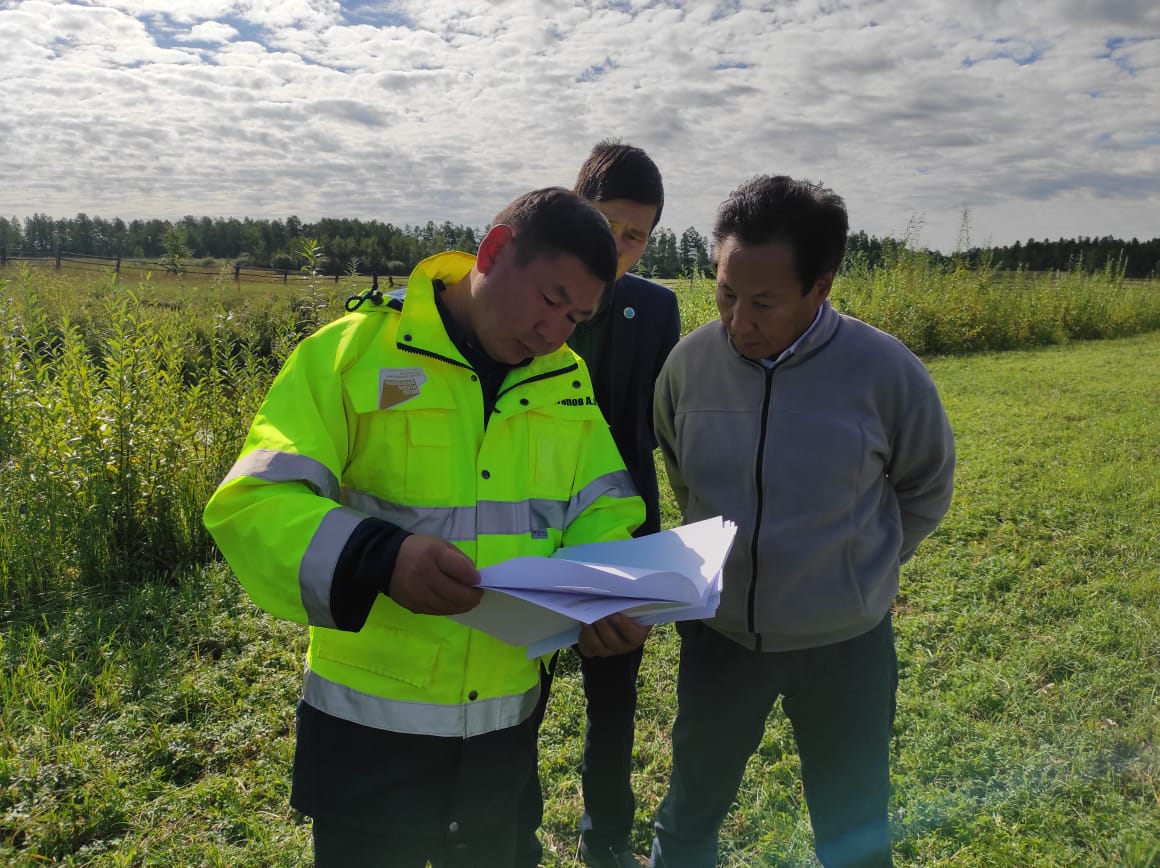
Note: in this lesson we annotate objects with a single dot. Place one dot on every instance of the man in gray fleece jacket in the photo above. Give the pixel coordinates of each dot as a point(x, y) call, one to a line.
point(825, 440)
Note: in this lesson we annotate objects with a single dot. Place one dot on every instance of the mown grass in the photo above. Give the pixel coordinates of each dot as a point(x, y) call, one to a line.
point(150, 726)
point(146, 707)
point(1027, 731)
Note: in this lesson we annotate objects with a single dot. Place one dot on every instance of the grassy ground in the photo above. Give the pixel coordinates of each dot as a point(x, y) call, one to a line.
point(151, 723)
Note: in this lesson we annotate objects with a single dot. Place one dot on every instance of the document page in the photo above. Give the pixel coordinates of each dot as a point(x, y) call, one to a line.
point(541, 602)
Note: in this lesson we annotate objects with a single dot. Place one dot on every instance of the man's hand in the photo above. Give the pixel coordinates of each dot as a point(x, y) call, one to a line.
point(433, 577)
point(616, 634)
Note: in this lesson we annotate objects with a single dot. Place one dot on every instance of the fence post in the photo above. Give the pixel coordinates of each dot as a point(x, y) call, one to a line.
point(117, 267)
point(285, 275)
point(237, 272)
point(58, 259)
point(374, 281)
point(3, 256)
point(336, 277)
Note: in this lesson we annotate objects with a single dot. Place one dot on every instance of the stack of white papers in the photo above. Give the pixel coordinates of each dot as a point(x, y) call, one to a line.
point(674, 575)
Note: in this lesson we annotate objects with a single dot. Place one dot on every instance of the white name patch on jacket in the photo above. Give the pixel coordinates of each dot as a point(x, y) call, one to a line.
point(399, 385)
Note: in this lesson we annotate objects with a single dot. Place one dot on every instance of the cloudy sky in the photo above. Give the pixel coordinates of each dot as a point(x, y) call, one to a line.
point(1040, 118)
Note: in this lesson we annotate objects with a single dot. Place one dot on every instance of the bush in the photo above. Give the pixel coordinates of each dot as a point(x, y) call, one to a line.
point(282, 262)
point(121, 408)
point(935, 309)
point(112, 437)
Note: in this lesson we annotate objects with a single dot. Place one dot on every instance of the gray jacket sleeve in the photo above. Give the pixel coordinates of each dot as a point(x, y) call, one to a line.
point(922, 470)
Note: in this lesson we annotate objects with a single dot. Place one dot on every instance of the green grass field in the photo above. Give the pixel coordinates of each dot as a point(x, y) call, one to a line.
point(149, 720)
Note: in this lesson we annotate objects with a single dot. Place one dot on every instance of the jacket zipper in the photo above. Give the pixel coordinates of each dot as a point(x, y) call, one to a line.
point(752, 602)
point(544, 376)
point(430, 355)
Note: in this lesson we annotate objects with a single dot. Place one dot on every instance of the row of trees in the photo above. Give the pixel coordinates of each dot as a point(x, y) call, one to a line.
point(348, 245)
point(370, 245)
point(1136, 258)
point(1140, 258)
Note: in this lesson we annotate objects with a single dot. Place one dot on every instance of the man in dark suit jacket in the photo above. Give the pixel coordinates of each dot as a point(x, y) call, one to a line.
point(624, 344)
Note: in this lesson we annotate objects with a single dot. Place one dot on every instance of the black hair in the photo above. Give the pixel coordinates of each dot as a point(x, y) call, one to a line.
point(808, 217)
point(555, 221)
point(615, 170)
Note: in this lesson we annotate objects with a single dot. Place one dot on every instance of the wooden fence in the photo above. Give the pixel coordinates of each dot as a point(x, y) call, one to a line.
point(238, 272)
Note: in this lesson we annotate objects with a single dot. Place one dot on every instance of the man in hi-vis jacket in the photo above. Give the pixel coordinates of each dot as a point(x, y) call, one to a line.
point(401, 448)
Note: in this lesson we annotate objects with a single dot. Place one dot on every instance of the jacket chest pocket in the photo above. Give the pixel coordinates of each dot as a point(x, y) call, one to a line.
point(402, 454)
point(554, 451)
point(406, 457)
point(430, 464)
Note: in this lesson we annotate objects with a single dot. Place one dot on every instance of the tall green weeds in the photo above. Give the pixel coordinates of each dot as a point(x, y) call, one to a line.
point(941, 311)
point(114, 429)
point(121, 408)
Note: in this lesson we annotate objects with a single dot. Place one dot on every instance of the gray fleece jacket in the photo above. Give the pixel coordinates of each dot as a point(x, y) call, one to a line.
point(835, 465)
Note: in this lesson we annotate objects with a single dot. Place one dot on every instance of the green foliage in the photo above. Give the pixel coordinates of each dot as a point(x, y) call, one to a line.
point(937, 308)
point(112, 436)
point(146, 707)
point(149, 724)
point(269, 243)
point(310, 253)
point(175, 250)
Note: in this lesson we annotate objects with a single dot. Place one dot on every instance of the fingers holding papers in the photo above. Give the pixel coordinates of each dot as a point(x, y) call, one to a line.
point(432, 577)
point(616, 634)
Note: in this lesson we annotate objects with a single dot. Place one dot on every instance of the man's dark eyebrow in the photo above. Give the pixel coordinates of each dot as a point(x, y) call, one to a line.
point(728, 288)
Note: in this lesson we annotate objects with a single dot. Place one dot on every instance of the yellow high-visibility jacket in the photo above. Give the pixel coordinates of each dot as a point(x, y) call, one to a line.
point(378, 414)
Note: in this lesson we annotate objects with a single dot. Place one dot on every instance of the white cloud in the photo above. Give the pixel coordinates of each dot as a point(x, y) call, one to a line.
point(209, 31)
point(1038, 119)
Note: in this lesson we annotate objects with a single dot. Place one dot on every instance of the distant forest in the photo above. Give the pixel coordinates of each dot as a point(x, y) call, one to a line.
point(366, 246)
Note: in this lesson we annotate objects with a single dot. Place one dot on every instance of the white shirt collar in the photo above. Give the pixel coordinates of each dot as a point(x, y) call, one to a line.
point(792, 348)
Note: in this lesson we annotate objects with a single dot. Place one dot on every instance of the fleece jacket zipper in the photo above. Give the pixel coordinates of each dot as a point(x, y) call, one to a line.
point(759, 476)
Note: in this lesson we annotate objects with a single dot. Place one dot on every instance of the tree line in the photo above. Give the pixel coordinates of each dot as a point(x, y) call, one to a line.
point(364, 246)
point(348, 245)
point(1135, 258)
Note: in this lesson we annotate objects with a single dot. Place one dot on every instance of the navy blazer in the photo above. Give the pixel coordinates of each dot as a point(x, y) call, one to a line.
point(644, 324)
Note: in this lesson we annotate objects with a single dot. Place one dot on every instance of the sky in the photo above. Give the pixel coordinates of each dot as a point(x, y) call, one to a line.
point(1038, 119)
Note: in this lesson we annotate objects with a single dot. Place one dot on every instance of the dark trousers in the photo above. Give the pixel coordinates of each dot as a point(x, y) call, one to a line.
point(339, 845)
point(382, 798)
point(840, 700)
point(605, 772)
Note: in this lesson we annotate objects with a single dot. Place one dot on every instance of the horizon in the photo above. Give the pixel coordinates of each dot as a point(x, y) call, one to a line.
point(479, 230)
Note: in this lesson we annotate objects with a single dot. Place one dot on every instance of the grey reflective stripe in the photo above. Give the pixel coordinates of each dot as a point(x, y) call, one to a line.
point(455, 524)
point(316, 572)
point(273, 466)
point(616, 484)
point(491, 517)
point(418, 718)
point(463, 523)
point(520, 517)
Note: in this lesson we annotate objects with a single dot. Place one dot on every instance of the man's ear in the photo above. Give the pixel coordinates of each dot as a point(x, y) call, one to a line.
point(823, 285)
point(497, 238)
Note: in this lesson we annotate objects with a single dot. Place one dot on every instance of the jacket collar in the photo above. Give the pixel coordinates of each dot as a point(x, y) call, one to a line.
point(820, 334)
point(421, 327)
